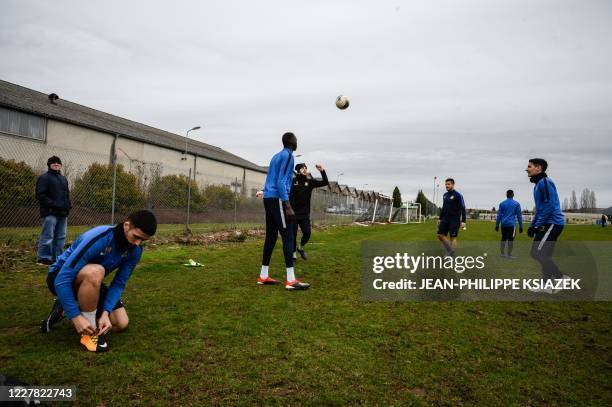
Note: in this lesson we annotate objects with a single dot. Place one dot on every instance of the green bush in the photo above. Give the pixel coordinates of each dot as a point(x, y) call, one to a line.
point(170, 191)
point(94, 189)
point(218, 197)
point(18, 184)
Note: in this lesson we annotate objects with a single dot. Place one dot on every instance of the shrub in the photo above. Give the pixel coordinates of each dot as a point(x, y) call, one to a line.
point(218, 197)
point(170, 191)
point(94, 189)
point(18, 184)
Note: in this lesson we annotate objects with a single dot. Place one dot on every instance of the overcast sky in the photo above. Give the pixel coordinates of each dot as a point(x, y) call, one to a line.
point(468, 89)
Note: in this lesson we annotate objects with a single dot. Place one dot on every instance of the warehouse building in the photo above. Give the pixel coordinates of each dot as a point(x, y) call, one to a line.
point(34, 125)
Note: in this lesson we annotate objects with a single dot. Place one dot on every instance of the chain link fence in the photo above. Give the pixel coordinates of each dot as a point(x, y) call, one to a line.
point(104, 190)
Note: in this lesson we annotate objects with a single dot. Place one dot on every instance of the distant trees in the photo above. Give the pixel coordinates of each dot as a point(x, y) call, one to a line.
point(397, 198)
point(427, 207)
point(587, 202)
point(573, 203)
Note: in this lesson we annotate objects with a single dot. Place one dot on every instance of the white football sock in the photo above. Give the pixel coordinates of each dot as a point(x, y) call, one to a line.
point(91, 317)
point(264, 272)
point(290, 274)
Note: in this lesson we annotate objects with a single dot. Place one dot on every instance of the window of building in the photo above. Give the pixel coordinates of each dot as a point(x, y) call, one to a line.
point(22, 124)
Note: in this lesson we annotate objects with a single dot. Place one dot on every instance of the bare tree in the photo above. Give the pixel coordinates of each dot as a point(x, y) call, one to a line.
point(585, 197)
point(573, 205)
point(565, 205)
point(593, 200)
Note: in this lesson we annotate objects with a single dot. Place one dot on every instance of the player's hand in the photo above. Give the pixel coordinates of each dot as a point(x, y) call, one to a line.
point(463, 225)
point(520, 230)
point(438, 221)
point(289, 212)
point(82, 325)
point(258, 194)
point(497, 228)
point(531, 231)
point(104, 324)
point(319, 167)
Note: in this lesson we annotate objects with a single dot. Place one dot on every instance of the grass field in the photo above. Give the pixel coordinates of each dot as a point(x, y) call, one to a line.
point(201, 336)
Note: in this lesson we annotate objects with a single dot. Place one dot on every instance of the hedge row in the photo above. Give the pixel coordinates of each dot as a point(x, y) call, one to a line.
point(94, 189)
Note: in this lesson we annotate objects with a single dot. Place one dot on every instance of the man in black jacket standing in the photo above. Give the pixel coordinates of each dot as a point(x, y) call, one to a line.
point(54, 198)
point(301, 192)
point(452, 217)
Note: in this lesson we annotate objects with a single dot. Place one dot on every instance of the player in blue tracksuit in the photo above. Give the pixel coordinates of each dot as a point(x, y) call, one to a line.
point(452, 217)
point(548, 221)
point(279, 214)
point(508, 213)
point(76, 278)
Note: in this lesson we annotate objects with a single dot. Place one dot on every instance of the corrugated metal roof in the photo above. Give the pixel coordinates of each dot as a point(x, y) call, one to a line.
point(28, 100)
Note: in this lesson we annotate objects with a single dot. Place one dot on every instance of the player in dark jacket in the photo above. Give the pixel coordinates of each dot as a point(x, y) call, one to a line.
point(53, 196)
point(452, 216)
point(76, 278)
point(301, 193)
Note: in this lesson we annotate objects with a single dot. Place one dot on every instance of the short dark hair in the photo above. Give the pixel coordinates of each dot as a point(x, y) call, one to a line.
point(449, 180)
point(287, 138)
point(144, 220)
point(509, 193)
point(539, 161)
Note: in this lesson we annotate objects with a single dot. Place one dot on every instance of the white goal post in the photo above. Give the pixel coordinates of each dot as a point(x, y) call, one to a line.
point(382, 211)
point(408, 212)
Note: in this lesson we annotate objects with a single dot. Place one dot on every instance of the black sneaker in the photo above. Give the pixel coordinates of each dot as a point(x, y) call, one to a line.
point(302, 253)
point(56, 315)
point(296, 285)
point(43, 262)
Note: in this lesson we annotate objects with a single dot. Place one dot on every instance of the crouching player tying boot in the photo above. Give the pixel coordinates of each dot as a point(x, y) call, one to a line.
point(76, 278)
point(301, 194)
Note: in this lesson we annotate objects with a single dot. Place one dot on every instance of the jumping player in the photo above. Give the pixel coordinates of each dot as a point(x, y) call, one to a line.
point(452, 216)
point(548, 221)
point(300, 196)
point(280, 214)
point(76, 278)
point(508, 213)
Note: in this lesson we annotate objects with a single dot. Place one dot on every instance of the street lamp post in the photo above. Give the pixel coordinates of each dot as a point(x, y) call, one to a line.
point(434, 191)
point(187, 138)
point(189, 177)
point(339, 175)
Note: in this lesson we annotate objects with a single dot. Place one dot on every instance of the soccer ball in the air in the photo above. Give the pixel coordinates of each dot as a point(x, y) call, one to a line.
point(342, 102)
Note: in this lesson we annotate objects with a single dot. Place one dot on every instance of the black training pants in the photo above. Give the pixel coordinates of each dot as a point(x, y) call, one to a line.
point(304, 225)
point(508, 233)
point(543, 247)
point(276, 222)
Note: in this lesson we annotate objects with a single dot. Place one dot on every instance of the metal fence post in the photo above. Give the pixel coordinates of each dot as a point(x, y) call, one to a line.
point(235, 199)
point(114, 179)
point(188, 200)
point(375, 207)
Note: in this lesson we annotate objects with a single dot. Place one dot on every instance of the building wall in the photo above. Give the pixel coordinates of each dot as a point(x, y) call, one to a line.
point(79, 147)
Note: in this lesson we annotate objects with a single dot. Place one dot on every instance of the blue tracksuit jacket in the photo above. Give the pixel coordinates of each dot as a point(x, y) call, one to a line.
point(101, 245)
point(548, 208)
point(280, 175)
point(507, 214)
